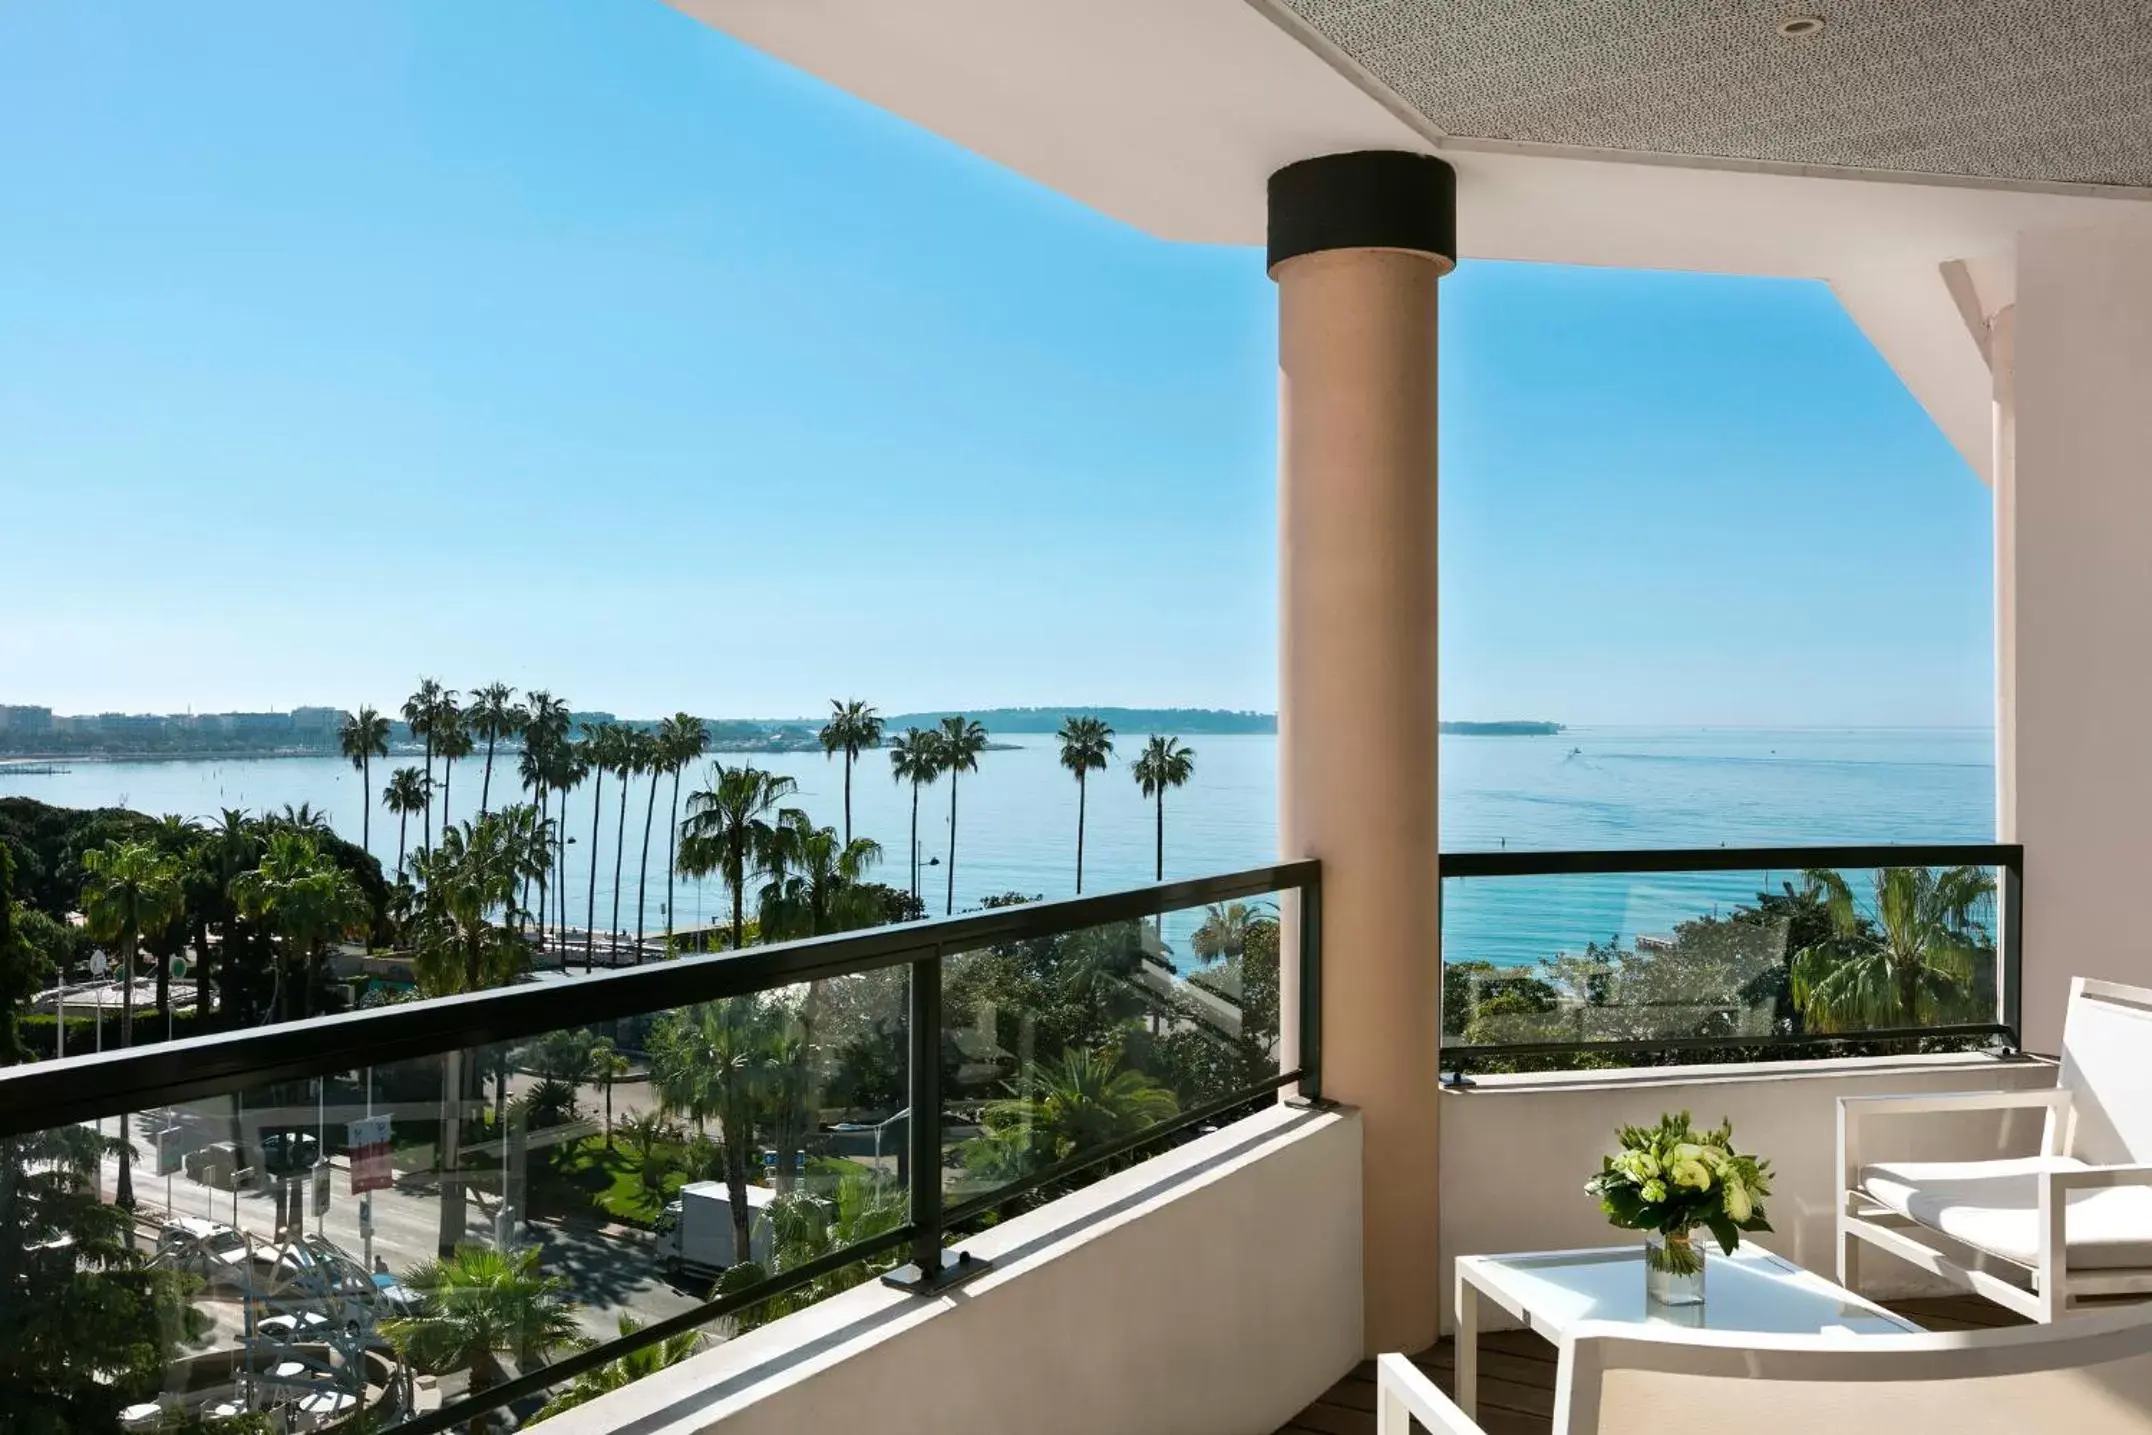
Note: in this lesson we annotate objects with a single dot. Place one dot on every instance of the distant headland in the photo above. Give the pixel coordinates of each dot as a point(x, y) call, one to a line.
point(1501, 729)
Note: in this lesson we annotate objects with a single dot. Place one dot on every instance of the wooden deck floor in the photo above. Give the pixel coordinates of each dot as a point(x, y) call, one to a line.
point(1517, 1374)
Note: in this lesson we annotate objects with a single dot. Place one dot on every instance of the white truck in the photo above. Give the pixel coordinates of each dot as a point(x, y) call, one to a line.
point(695, 1232)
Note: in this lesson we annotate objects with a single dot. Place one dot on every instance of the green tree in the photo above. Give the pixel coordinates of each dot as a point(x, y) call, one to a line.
point(600, 754)
point(361, 739)
point(450, 734)
point(1055, 1110)
point(464, 929)
point(682, 739)
point(22, 966)
point(1164, 763)
point(915, 757)
point(408, 791)
point(180, 840)
point(309, 901)
point(129, 889)
point(631, 758)
point(570, 765)
point(420, 711)
point(86, 1326)
point(479, 1305)
point(853, 727)
point(1086, 746)
point(494, 715)
point(958, 744)
point(625, 1371)
point(1224, 932)
point(729, 831)
point(1913, 964)
point(817, 882)
point(234, 846)
point(545, 733)
point(607, 1065)
point(805, 1229)
point(723, 1061)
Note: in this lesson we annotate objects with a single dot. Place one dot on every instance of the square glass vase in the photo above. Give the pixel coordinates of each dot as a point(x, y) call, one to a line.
point(1673, 1269)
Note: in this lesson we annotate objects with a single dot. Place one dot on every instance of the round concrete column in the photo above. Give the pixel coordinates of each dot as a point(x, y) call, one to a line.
point(1357, 244)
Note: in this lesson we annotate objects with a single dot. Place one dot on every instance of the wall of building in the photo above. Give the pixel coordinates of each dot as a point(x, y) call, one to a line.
point(1516, 1151)
point(1215, 1288)
point(2081, 389)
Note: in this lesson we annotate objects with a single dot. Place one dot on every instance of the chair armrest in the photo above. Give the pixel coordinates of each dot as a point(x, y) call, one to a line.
point(2094, 1177)
point(1853, 1110)
point(1402, 1389)
point(2056, 1098)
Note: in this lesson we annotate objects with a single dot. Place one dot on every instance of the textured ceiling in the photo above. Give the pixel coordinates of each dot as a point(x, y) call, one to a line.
point(2021, 90)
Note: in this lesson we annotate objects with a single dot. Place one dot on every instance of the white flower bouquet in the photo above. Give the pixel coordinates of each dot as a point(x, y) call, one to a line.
point(1671, 1178)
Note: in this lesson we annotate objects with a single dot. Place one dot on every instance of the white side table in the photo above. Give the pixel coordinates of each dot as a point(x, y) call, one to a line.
point(1751, 1290)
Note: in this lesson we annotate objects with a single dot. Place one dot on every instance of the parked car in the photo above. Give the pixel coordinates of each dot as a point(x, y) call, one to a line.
point(213, 1164)
point(209, 1249)
point(395, 1298)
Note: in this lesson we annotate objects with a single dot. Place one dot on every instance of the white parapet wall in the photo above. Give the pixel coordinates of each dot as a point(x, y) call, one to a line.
point(1516, 1150)
point(1211, 1290)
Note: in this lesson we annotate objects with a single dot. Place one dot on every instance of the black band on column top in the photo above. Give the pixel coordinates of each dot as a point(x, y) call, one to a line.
point(1369, 199)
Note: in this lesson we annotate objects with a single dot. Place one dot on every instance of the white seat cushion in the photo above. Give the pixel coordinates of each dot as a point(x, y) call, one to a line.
point(1994, 1206)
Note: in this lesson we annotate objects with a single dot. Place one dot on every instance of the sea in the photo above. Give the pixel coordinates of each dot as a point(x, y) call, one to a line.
point(1015, 819)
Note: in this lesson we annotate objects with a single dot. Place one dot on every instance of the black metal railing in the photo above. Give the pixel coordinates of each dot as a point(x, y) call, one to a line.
point(1461, 1056)
point(46, 1095)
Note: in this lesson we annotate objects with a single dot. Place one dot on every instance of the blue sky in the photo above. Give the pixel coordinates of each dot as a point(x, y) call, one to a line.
point(578, 346)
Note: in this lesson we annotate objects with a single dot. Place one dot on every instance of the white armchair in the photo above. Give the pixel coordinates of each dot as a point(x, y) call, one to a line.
point(2091, 1376)
point(2041, 1233)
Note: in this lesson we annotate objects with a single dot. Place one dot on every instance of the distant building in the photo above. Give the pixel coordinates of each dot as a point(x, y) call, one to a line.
point(316, 720)
point(25, 719)
point(262, 725)
point(129, 724)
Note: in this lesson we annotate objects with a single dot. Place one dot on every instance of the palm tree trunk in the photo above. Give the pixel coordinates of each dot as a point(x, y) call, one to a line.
point(127, 975)
point(429, 791)
point(949, 906)
point(915, 840)
point(366, 802)
point(1161, 833)
point(738, 882)
point(642, 881)
point(164, 989)
point(1082, 791)
point(485, 789)
point(590, 912)
point(403, 824)
point(847, 817)
point(620, 851)
point(672, 855)
point(448, 789)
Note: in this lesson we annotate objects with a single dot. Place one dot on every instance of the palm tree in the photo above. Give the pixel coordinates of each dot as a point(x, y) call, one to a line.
point(598, 753)
point(130, 890)
point(452, 741)
point(721, 1061)
point(728, 831)
point(1054, 1110)
point(308, 899)
point(304, 818)
point(853, 727)
point(817, 882)
point(494, 715)
point(682, 739)
point(805, 1229)
point(464, 929)
point(479, 1305)
point(631, 755)
point(406, 793)
point(362, 739)
point(957, 745)
point(570, 766)
point(619, 1374)
point(1912, 965)
point(234, 847)
point(656, 760)
point(607, 1065)
point(419, 711)
point(915, 757)
point(1224, 933)
point(545, 731)
point(1086, 744)
point(1164, 763)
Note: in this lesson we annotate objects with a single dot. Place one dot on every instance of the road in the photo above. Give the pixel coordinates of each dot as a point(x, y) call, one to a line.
point(610, 1269)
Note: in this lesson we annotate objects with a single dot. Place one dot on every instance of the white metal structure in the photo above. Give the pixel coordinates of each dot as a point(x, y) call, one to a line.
point(2090, 1377)
point(2038, 1233)
point(1558, 1292)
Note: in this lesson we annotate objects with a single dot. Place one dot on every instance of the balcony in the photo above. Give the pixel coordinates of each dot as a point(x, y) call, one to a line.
point(1114, 1171)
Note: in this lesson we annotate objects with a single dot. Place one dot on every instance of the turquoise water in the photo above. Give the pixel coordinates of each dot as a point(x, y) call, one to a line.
point(1016, 818)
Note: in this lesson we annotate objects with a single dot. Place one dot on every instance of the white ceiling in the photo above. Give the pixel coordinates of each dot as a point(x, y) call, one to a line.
point(2012, 90)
